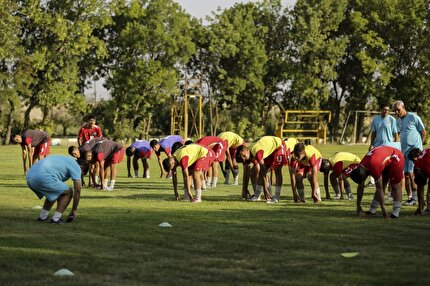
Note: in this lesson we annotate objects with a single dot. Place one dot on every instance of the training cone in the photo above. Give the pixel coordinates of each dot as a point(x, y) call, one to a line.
point(165, 224)
point(64, 272)
point(349, 254)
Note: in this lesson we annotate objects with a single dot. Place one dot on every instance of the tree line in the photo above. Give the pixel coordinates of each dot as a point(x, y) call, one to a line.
point(255, 60)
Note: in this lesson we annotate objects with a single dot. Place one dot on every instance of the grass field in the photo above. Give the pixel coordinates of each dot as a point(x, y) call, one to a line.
point(116, 239)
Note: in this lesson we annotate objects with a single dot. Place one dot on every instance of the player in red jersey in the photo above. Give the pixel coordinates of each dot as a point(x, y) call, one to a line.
point(35, 145)
point(219, 147)
point(385, 164)
point(89, 131)
point(421, 161)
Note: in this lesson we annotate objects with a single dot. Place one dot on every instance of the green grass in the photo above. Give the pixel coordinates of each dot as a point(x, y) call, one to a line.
point(116, 239)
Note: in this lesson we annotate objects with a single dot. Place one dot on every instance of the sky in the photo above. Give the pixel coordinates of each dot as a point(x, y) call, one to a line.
point(203, 8)
point(196, 8)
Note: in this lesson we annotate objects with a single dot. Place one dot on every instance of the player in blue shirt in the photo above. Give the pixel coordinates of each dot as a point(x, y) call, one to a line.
point(46, 179)
point(412, 135)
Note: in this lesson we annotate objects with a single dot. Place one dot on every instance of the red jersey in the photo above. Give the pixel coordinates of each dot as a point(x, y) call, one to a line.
point(86, 133)
point(216, 144)
point(423, 162)
point(384, 160)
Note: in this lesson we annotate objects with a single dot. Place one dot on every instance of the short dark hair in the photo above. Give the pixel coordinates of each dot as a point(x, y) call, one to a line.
point(359, 174)
point(71, 149)
point(129, 152)
point(420, 179)
point(176, 146)
point(166, 164)
point(188, 142)
point(153, 142)
point(325, 165)
point(298, 148)
point(414, 153)
point(384, 105)
point(239, 149)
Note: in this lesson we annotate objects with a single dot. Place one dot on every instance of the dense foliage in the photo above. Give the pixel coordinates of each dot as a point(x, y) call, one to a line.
point(255, 59)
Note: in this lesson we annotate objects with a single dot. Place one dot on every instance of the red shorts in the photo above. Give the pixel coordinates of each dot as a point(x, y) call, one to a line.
point(203, 164)
point(116, 158)
point(277, 158)
point(43, 149)
point(304, 169)
point(394, 172)
point(219, 151)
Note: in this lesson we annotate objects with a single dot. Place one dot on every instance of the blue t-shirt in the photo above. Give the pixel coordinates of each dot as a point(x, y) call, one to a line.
point(46, 178)
point(141, 145)
point(410, 127)
point(167, 142)
point(384, 127)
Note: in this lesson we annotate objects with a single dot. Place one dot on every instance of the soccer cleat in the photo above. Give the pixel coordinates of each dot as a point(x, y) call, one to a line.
point(370, 185)
point(350, 196)
point(109, 189)
point(254, 199)
point(393, 216)
point(410, 202)
point(273, 201)
point(60, 221)
point(41, 219)
point(197, 200)
point(337, 197)
point(368, 213)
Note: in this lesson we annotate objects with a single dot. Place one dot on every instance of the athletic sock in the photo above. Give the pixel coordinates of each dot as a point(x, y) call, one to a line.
point(414, 194)
point(57, 216)
point(112, 184)
point(396, 208)
point(236, 181)
point(198, 194)
point(277, 192)
point(318, 193)
point(147, 174)
point(136, 173)
point(214, 182)
point(105, 181)
point(209, 181)
point(97, 179)
point(373, 206)
point(301, 194)
point(258, 190)
point(43, 214)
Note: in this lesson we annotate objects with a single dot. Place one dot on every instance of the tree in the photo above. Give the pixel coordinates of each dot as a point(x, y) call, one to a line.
point(148, 44)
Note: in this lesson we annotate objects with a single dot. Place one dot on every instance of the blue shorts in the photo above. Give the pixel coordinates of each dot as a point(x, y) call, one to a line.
point(409, 165)
point(50, 188)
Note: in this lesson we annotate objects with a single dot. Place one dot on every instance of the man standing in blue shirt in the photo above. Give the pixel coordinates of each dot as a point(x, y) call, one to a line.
point(46, 179)
point(412, 135)
point(384, 131)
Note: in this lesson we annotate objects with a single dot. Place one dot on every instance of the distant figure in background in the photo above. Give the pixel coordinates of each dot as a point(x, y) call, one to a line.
point(139, 150)
point(108, 154)
point(164, 145)
point(384, 131)
point(339, 166)
point(305, 162)
point(35, 145)
point(412, 135)
point(46, 179)
point(421, 161)
point(233, 141)
point(89, 131)
point(385, 164)
point(193, 159)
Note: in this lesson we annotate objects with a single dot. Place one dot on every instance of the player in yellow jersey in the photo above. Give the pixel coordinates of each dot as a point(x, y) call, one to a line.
point(340, 164)
point(194, 159)
point(234, 141)
point(306, 161)
point(269, 152)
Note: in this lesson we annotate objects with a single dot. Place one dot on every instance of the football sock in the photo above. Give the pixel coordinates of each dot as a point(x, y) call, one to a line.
point(105, 183)
point(301, 194)
point(396, 208)
point(56, 216)
point(97, 179)
point(277, 192)
point(236, 180)
point(136, 173)
point(373, 206)
point(43, 214)
point(147, 174)
point(112, 184)
point(199, 194)
point(214, 182)
point(318, 193)
point(258, 190)
point(414, 194)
